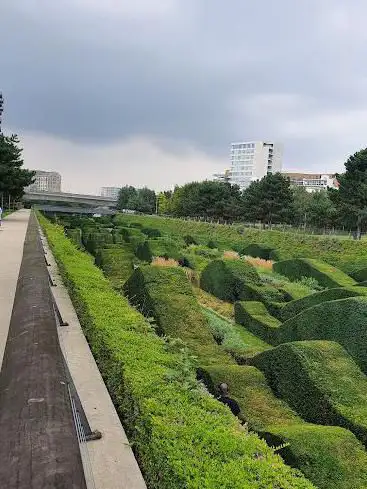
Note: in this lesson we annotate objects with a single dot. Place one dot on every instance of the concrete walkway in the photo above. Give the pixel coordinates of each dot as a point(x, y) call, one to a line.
point(111, 458)
point(12, 235)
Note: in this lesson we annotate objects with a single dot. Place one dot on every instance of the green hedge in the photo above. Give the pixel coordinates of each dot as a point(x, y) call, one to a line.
point(257, 251)
point(325, 274)
point(151, 248)
point(343, 321)
point(116, 263)
point(233, 338)
point(348, 255)
point(75, 235)
point(166, 295)
point(320, 381)
point(360, 275)
point(295, 307)
point(226, 279)
point(95, 241)
point(182, 437)
point(330, 456)
point(256, 318)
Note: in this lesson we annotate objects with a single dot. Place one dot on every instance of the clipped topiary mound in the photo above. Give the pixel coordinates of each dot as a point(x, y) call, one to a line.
point(75, 235)
point(293, 308)
point(320, 381)
point(116, 263)
point(163, 247)
point(98, 240)
point(325, 274)
point(343, 320)
point(226, 279)
point(331, 457)
point(166, 295)
point(360, 275)
point(256, 318)
point(257, 251)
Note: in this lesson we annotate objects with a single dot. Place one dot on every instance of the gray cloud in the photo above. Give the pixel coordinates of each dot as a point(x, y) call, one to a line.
point(189, 73)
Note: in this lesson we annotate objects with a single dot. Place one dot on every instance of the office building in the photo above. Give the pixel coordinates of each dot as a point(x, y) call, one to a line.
point(112, 192)
point(313, 182)
point(251, 161)
point(45, 181)
point(222, 177)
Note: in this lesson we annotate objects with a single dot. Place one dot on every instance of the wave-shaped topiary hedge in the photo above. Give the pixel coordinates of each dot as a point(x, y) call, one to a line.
point(258, 251)
point(295, 307)
point(320, 381)
point(166, 295)
point(226, 279)
point(75, 234)
point(359, 275)
point(158, 247)
point(330, 456)
point(325, 274)
point(183, 438)
point(116, 263)
point(256, 318)
point(343, 321)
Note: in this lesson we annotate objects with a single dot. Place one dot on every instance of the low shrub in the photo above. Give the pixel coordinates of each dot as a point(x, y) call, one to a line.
point(359, 275)
point(166, 295)
point(75, 235)
point(226, 279)
point(330, 456)
point(212, 244)
point(182, 437)
point(189, 240)
point(305, 374)
point(343, 321)
point(151, 232)
point(233, 338)
point(205, 251)
point(96, 241)
point(256, 318)
point(325, 274)
point(295, 307)
point(163, 247)
point(257, 251)
point(116, 263)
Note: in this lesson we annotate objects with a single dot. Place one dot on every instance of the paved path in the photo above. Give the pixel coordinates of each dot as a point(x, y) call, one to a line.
point(39, 447)
point(12, 235)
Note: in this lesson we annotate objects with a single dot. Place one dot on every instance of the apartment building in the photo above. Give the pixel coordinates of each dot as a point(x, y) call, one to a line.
point(251, 161)
point(112, 192)
point(45, 181)
point(313, 182)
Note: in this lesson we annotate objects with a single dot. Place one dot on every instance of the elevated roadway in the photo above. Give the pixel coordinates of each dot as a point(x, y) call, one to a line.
point(65, 197)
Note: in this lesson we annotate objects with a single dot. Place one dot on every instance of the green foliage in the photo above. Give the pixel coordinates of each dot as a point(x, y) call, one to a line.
point(226, 279)
point(325, 274)
point(352, 194)
point(98, 240)
point(166, 295)
point(347, 255)
point(151, 232)
point(141, 200)
point(293, 308)
point(306, 374)
point(342, 320)
point(164, 247)
point(183, 438)
point(75, 235)
point(256, 318)
point(212, 244)
point(235, 339)
point(13, 178)
point(257, 251)
point(164, 202)
point(117, 264)
point(207, 199)
point(359, 275)
point(189, 240)
point(329, 456)
point(268, 200)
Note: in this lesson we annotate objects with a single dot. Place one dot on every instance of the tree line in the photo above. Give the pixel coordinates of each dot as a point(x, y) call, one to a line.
point(271, 200)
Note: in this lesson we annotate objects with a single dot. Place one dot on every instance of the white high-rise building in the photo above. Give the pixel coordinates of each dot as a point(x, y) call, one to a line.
point(251, 161)
point(112, 192)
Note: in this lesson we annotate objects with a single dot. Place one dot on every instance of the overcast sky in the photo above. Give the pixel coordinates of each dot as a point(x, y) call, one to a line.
point(152, 92)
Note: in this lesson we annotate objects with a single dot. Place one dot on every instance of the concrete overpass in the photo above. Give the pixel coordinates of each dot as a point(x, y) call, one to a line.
point(60, 209)
point(64, 197)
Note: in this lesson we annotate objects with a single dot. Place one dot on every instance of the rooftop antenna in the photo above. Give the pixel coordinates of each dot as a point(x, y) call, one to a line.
point(1, 109)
